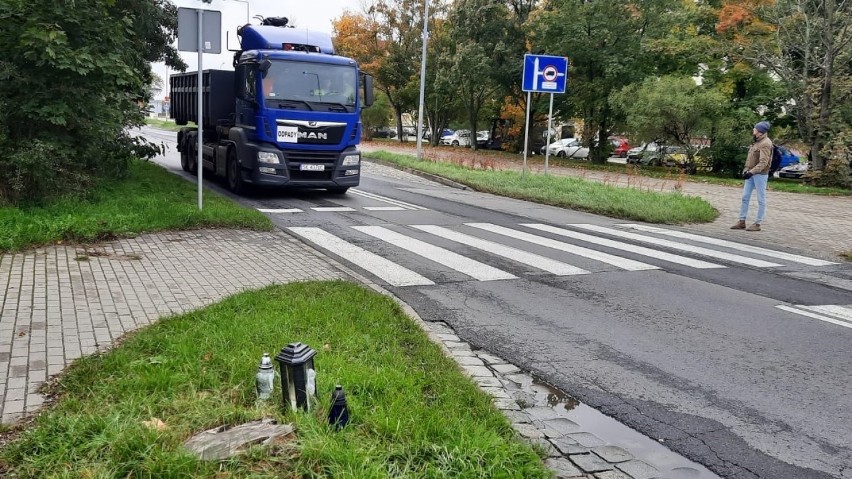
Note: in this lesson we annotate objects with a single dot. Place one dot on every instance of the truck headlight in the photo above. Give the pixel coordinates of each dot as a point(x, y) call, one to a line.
point(351, 160)
point(267, 157)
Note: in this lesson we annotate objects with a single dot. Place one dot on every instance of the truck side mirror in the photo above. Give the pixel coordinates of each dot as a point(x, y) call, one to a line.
point(369, 97)
point(265, 65)
point(244, 82)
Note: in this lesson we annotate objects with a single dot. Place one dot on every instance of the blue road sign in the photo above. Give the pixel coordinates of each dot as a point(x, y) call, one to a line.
point(545, 74)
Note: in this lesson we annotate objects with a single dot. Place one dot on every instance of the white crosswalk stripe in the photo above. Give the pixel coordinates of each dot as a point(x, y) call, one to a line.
point(387, 270)
point(735, 258)
point(464, 265)
point(421, 246)
point(385, 199)
point(280, 210)
point(617, 261)
point(540, 262)
point(672, 258)
point(732, 245)
point(834, 314)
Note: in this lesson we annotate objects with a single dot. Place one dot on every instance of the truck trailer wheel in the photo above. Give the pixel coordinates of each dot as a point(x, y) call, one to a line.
point(191, 159)
point(184, 160)
point(235, 180)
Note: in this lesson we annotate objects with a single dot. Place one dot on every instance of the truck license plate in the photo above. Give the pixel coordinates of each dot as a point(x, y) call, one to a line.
point(309, 167)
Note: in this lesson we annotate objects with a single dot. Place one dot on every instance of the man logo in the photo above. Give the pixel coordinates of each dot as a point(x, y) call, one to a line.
point(313, 135)
point(312, 124)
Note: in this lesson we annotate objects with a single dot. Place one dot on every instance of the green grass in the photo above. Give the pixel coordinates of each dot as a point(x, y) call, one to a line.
point(847, 255)
point(775, 184)
point(150, 199)
point(413, 414)
point(568, 192)
point(163, 124)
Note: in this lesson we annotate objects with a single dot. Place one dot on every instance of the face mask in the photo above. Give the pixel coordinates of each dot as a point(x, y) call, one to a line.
point(755, 137)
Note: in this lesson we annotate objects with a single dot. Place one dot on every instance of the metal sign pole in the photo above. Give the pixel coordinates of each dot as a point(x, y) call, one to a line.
point(199, 94)
point(549, 123)
point(526, 135)
point(420, 128)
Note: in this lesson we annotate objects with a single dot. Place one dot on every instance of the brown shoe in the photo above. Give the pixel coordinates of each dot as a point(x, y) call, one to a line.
point(754, 227)
point(739, 226)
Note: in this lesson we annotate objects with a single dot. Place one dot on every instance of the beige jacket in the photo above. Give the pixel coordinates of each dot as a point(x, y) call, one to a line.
point(759, 157)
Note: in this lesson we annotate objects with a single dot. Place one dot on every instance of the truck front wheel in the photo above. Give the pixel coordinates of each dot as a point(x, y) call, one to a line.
point(338, 191)
point(235, 179)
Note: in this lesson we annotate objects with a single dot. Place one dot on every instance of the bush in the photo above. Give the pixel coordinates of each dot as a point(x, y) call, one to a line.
point(72, 78)
point(838, 153)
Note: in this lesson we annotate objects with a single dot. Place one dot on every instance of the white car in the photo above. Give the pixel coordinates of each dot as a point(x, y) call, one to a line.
point(567, 148)
point(459, 138)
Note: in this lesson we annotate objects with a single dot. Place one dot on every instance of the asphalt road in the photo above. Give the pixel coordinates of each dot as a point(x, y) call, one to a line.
point(714, 349)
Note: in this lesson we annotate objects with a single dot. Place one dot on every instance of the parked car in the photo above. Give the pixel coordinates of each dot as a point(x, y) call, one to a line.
point(634, 155)
point(566, 148)
point(384, 132)
point(796, 171)
point(458, 138)
point(620, 147)
point(665, 156)
point(482, 138)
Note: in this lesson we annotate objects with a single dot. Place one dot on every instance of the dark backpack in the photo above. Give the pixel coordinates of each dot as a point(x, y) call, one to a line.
point(776, 159)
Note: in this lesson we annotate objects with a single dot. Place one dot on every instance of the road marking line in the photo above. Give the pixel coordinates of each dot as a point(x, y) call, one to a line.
point(530, 259)
point(814, 315)
point(389, 271)
point(384, 208)
point(842, 313)
point(385, 199)
point(280, 210)
point(332, 209)
point(462, 264)
point(732, 245)
point(678, 246)
point(617, 261)
point(661, 255)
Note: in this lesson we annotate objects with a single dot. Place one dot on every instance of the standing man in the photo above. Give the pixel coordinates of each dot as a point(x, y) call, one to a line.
point(756, 174)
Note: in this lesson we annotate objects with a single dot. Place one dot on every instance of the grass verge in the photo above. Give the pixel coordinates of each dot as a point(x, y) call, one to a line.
point(568, 192)
point(163, 124)
point(413, 414)
point(150, 199)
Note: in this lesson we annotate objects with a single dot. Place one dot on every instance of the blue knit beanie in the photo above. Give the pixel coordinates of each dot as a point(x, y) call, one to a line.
point(762, 127)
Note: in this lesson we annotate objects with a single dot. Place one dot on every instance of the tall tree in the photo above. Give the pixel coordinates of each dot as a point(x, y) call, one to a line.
point(486, 55)
point(606, 42)
point(800, 42)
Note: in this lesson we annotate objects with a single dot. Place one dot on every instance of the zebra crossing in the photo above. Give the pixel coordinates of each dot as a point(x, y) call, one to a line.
point(395, 205)
point(530, 248)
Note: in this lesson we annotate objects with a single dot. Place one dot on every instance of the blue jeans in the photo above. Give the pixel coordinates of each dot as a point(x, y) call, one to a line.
point(756, 182)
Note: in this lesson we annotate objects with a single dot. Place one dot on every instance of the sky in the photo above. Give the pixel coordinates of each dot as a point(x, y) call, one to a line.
point(314, 15)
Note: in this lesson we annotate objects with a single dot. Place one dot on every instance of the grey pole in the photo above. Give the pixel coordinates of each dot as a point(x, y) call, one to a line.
point(199, 93)
point(526, 135)
point(549, 122)
point(419, 131)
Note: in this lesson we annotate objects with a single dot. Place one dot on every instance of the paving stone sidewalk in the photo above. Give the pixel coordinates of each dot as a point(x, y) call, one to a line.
point(818, 225)
point(60, 303)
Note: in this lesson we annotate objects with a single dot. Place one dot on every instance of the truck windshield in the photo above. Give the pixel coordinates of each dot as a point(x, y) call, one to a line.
point(309, 83)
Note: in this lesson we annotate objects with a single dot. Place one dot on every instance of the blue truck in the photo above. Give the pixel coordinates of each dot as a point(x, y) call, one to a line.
point(288, 115)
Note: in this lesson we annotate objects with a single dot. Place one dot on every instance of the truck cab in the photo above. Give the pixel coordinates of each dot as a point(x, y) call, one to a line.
point(292, 117)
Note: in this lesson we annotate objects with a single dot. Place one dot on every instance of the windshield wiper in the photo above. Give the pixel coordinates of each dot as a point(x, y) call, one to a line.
point(292, 103)
point(335, 105)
